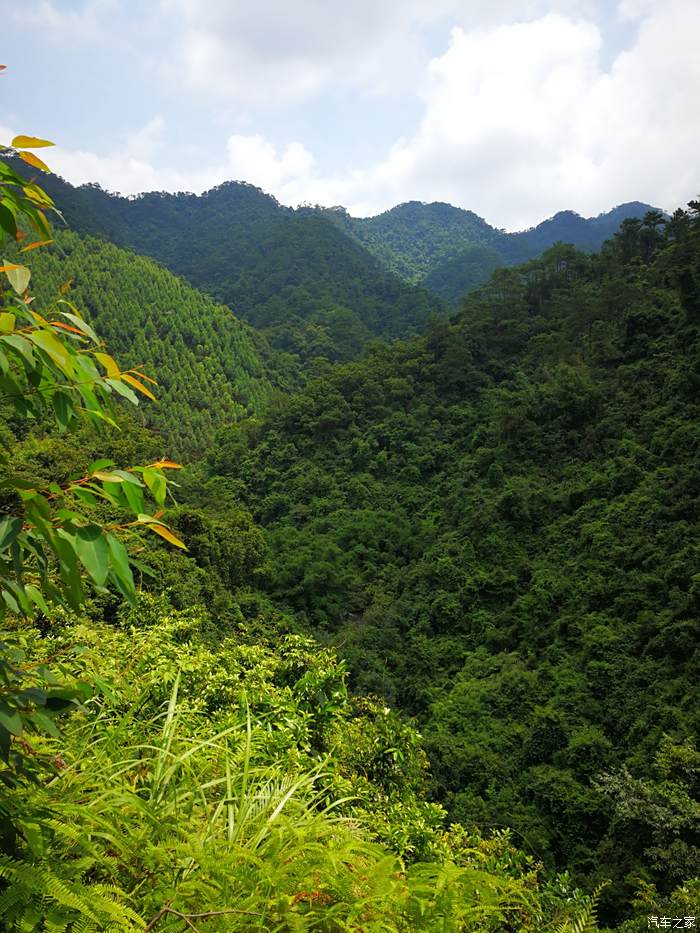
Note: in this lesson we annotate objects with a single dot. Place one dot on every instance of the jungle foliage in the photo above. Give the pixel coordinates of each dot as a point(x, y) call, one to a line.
point(211, 367)
point(497, 525)
point(308, 287)
point(451, 251)
point(204, 771)
point(491, 529)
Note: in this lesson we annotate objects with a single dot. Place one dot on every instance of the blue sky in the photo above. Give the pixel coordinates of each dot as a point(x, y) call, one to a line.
point(512, 109)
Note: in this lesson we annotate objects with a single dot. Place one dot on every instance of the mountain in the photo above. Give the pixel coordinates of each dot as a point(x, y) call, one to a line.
point(316, 281)
point(412, 238)
point(496, 524)
point(209, 365)
point(297, 277)
point(450, 250)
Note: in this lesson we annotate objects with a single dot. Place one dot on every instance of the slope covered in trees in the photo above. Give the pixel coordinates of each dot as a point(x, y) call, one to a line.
point(451, 251)
point(297, 277)
point(497, 525)
point(165, 768)
point(210, 366)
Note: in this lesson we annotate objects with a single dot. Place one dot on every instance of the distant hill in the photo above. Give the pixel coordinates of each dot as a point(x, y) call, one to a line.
point(317, 281)
point(297, 276)
point(210, 366)
point(451, 251)
point(412, 238)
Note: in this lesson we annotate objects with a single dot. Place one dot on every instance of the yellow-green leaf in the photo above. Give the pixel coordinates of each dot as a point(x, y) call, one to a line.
point(30, 142)
point(18, 276)
point(109, 364)
point(53, 347)
point(167, 534)
point(7, 322)
point(137, 385)
point(34, 161)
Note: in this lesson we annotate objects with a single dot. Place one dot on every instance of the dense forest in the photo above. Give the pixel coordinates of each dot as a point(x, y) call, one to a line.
point(309, 288)
point(414, 645)
point(450, 251)
point(210, 366)
point(496, 526)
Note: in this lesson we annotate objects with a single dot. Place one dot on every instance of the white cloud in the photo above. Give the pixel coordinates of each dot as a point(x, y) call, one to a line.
point(521, 120)
point(253, 159)
point(262, 52)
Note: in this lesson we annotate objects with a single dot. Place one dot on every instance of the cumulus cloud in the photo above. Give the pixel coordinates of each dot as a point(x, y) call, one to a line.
point(521, 120)
point(270, 51)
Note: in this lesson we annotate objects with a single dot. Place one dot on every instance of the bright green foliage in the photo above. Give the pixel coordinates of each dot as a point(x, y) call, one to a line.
point(199, 781)
point(210, 366)
point(498, 525)
point(52, 537)
point(412, 239)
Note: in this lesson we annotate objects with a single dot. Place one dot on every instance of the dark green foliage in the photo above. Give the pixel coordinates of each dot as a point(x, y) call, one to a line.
point(451, 251)
point(496, 525)
point(295, 275)
point(462, 272)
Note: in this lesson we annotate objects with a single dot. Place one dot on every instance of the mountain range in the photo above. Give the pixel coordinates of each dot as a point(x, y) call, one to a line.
point(247, 250)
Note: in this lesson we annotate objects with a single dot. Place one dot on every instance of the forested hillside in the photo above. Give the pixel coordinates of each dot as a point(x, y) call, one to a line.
point(311, 289)
point(167, 765)
point(497, 526)
point(451, 251)
point(209, 365)
point(488, 533)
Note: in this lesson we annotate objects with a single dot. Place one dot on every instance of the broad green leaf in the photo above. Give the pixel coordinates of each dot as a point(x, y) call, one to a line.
point(99, 465)
point(44, 722)
point(53, 347)
point(134, 496)
point(8, 222)
point(7, 322)
point(93, 551)
point(156, 484)
point(10, 719)
point(22, 345)
point(63, 408)
point(9, 529)
point(77, 320)
point(37, 597)
point(84, 495)
point(120, 567)
point(122, 390)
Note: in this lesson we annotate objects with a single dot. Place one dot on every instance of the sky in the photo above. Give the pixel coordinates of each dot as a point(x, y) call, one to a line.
point(514, 110)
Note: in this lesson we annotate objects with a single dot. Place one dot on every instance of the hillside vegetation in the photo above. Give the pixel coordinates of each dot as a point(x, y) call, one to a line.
point(497, 526)
point(411, 642)
point(450, 251)
point(210, 366)
point(307, 286)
